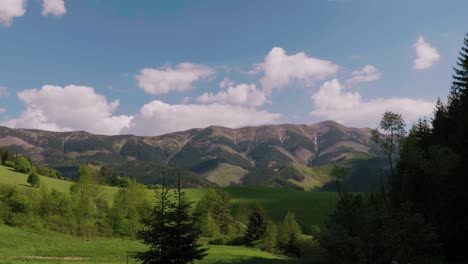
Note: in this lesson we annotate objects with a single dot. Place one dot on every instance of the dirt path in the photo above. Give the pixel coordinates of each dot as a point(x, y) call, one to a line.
point(71, 258)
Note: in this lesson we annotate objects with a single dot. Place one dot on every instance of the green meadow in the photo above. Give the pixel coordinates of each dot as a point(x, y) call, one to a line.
point(32, 246)
point(26, 246)
point(311, 208)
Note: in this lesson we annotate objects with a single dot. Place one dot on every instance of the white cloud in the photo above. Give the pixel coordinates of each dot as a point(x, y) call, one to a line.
point(241, 94)
point(157, 117)
point(10, 9)
point(69, 108)
point(3, 91)
point(426, 55)
point(2, 110)
point(166, 79)
point(53, 7)
point(226, 82)
point(368, 74)
point(280, 70)
point(349, 108)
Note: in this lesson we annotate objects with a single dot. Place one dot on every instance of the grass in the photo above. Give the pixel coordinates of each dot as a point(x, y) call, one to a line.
point(10, 177)
point(226, 174)
point(26, 246)
point(311, 208)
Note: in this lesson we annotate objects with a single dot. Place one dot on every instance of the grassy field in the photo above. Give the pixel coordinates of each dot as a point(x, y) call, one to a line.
point(311, 208)
point(25, 246)
point(226, 174)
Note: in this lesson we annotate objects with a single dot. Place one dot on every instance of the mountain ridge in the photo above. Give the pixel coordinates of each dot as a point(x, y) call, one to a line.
point(246, 155)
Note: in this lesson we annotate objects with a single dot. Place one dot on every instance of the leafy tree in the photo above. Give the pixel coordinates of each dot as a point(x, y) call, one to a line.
point(393, 125)
point(208, 226)
point(216, 202)
point(170, 231)
point(83, 205)
point(129, 207)
point(104, 175)
point(22, 165)
point(49, 172)
point(34, 179)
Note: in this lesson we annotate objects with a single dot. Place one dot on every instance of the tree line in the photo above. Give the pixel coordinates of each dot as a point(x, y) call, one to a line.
point(419, 216)
point(82, 211)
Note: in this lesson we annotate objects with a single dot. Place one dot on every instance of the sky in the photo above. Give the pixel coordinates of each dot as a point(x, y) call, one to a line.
point(151, 67)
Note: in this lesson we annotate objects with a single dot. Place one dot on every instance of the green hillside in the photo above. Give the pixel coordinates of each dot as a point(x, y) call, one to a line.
point(311, 208)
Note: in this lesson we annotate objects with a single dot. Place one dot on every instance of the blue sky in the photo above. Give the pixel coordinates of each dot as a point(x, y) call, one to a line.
point(86, 60)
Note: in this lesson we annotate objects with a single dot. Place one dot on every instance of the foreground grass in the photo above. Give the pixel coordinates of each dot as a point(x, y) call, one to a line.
point(25, 246)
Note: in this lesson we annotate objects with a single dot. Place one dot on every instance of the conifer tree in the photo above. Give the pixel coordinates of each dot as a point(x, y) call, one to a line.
point(170, 231)
point(257, 226)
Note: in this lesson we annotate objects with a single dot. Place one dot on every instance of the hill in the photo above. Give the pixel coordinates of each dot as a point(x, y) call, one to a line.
point(292, 156)
point(277, 201)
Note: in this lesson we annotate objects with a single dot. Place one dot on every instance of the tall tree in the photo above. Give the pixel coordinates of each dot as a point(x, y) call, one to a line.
point(83, 206)
point(393, 126)
point(170, 231)
point(289, 234)
point(257, 227)
point(216, 202)
point(453, 227)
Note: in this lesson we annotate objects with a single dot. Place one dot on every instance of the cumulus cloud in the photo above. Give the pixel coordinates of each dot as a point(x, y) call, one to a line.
point(2, 110)
point(426, 55)
point(53, 7)
point(69, 108)
point(3, 91)
point(157, 117)
point(10, 9)
point(331, 101)
point(280, 70)
point(166, 79)
point(241, 94)
point(368, 74)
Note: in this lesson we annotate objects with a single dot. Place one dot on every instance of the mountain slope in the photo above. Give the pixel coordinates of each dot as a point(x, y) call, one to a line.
point(295, 156)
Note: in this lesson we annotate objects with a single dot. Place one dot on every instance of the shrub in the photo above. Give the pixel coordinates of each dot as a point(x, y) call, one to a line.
point(34, 179)
point(22, 165)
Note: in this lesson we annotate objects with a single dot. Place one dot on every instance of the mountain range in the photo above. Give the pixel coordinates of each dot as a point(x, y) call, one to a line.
point(288, 155)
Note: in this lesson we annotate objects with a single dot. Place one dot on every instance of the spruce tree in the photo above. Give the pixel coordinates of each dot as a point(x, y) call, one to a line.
point(257, 226)
point(453, 222)
point(170, 231)
point(434, 167)
point(289, 234)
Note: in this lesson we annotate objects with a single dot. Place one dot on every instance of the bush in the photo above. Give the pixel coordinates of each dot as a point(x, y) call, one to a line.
point(34, 179)
point(9, 163)
point(22, 165)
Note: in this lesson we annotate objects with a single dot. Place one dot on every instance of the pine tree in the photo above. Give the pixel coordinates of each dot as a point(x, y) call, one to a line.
point(257, 226)
point(289, 233)
point(453, 227)
point(433, 167)
point(170, 231)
